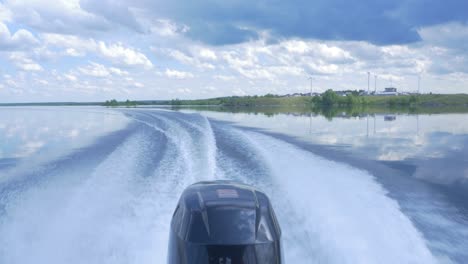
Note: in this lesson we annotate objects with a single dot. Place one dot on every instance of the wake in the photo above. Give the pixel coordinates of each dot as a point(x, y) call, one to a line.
point(119, 210)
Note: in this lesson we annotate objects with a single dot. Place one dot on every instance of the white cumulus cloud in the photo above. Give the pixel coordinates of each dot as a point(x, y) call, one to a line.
point(117, 53)
point(120, 54)
point(178, 74)
point(21, 39)
point(207, 54)
point(22, 62)
point(95, 70)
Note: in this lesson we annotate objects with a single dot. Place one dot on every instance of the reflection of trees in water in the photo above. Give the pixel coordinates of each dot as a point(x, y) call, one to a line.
point(328, 111)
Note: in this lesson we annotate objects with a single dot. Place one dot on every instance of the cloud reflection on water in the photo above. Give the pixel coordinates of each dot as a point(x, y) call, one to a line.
point(435, 145)
point(38, 134)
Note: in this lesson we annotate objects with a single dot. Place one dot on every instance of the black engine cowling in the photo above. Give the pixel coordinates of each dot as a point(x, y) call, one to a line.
point(224, 222)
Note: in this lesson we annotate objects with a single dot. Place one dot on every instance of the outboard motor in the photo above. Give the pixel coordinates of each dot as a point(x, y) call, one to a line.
point(223, 222)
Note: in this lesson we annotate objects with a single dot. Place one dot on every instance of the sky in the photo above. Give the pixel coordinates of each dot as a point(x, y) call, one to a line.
point(87, 50)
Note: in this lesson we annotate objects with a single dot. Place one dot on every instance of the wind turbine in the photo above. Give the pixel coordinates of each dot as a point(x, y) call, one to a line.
point(368, 82)
point(375, 83)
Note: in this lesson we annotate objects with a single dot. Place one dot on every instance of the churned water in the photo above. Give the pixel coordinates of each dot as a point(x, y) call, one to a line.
point(105, 194)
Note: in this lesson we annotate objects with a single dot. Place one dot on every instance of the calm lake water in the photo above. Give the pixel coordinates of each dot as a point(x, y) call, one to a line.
point(433, 148)
point(97, 185)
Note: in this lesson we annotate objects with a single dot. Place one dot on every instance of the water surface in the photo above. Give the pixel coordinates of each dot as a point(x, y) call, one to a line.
point(366, 189)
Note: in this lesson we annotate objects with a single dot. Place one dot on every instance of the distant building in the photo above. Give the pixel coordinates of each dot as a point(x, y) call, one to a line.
point(362, 92)
point(389, 91)
point(299, 94)
point(343, 93)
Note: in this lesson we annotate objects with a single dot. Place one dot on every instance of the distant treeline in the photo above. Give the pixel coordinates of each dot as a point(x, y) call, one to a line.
point(332, 99)
point(328, 112)
point(246, 101)
point(327, 99)
point(115, 103)
point(53, 104)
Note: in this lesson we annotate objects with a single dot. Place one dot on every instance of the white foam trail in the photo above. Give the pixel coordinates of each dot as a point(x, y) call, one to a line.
point(189, 157)
point(246, 163)
point(194, 138)
point(346, 216)
point(109, 218)
point(211, 149)
point(115, 216)
point(329, 212)
point(203, 144)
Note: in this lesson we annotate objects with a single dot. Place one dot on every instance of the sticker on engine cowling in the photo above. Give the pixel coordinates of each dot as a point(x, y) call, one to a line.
point(227, 193)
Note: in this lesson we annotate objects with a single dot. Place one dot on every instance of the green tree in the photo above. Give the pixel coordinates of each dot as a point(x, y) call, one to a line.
point(129, 103)
point(414, 100)
point(329, 98)
point(316, 101)
point(176, 102)
point(111, 103)
point(351, 100)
